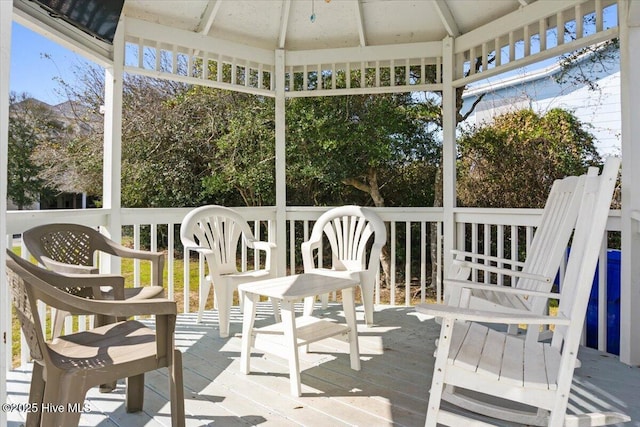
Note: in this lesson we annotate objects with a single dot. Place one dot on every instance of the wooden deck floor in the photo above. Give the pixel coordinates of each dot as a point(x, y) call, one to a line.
point(391, 389)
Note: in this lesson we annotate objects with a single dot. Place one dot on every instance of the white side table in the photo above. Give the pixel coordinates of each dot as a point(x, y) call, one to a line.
point(303, 330)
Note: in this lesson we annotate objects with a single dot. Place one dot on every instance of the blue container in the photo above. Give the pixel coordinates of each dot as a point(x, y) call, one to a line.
point(613, 306)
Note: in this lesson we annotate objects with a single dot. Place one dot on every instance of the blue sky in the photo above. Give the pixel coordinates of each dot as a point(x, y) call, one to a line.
point(32, 72)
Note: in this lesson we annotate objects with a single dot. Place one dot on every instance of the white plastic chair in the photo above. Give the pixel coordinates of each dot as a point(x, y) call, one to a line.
point(356, 236)
point(500, 368)
point(215, 232)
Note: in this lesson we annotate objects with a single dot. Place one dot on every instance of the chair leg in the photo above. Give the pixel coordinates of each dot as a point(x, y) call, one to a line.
point(36, 394)
point(348, 305)
point(309, 303)
point(72, 401)
point(276, 310)
point(100, 320)
point(204, 289)
point(224, 296)
point(437, 383)
point(325, 301)
point(367, 301)
point(135, 393)
point(176, 390)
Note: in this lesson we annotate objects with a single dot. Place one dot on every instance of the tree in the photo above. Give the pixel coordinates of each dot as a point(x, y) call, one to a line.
point(360, 142)
point(512, 162)
point(31, 123)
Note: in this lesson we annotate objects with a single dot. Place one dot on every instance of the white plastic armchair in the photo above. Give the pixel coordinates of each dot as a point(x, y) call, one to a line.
point(215, 232)
point(356, 236)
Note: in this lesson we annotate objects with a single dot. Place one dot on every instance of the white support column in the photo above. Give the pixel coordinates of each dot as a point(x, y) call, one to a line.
point(112, 168)
point(630, 93)
point(448, 150)
point(281, 165)
point(6, 14)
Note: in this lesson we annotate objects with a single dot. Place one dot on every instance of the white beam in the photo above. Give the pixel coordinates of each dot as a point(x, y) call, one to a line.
point(281, 164)
point(446, 17)
point(367, 53)
point(112, 156)
point(360, 23)
point(448, 151)
point(284, 23)
point(518, 19)
point(138, 28)
point(6, 13)
point(630, 275)
point(208, 16)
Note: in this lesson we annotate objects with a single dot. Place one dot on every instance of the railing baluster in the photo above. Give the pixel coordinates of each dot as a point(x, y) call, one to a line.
point(487, 249)
point(500, 252)
point(424, 253)
point(136, 262)
point(186, 279)
point(407, 265)
point(171, 259)
point(392, 289)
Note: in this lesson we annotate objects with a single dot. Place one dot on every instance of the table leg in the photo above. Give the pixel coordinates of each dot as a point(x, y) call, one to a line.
point(348, 305)
point(248, 319)
point(291, 341)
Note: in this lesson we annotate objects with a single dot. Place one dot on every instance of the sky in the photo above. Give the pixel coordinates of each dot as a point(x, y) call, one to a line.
point(32, 72)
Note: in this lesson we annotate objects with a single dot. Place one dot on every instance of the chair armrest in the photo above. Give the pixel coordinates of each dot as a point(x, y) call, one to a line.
point(465, 314)
point(113, 308)
point(503, 271)
point(62, 267)
point(263, 246)
point(156, 258)
point(503, 289)
point(466, 254)
point(82, 280)
point(269, 248)
point(307, 249)
point(125, 252)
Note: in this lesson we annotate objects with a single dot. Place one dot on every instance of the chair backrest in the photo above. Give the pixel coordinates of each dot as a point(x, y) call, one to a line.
point(549, 244)
point(349, 230)
point(20, 280)
point(65, 243)
point(217, 229)
point(585, 249)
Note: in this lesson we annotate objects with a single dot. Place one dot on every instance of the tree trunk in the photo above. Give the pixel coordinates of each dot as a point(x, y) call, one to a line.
point(373, 189)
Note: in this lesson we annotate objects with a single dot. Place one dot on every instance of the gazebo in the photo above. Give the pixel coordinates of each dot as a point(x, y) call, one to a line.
point(263, 46)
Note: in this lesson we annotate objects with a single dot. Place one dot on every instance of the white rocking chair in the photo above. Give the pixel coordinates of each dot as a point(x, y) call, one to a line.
point(499, 368)
point(536, 273)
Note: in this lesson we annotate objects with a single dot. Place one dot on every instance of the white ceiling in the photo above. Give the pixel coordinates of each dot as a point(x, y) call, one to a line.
point(272, 24)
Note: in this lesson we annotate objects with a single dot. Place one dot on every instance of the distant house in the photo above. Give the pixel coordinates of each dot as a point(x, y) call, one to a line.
point(598, 107)
point(63, 114)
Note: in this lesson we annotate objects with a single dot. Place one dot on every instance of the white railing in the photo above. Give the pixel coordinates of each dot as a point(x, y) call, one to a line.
point(413, 235)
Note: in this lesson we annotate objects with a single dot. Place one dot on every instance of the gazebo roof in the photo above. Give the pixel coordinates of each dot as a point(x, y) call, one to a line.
point(287, 24)
point(399, 39)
